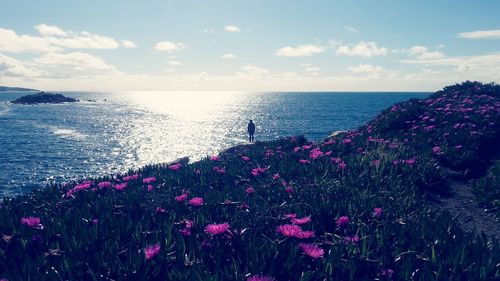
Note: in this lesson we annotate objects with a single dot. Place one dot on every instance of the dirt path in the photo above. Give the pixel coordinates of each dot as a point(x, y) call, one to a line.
point(462, 204)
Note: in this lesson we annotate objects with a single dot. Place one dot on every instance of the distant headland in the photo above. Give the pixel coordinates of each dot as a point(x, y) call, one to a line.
point(14, 89)
point(42, 97)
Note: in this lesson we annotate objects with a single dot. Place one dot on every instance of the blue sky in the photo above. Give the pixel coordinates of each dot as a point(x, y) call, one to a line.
point(248, 45)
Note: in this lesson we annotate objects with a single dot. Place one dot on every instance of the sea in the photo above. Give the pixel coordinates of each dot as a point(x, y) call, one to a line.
point(109, 133)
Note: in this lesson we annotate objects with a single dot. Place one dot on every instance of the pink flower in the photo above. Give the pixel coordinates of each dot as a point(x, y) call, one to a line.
point(376, 163)
point(181, 197)
point(196, 201)
point(216, 229)
point(387, 272)
point(377, 212)
point(458, 146)
point(219, 170)
point(289, 230)
point(104, 184)
point(160, 210)
point(121, 186)
point(288, 216)
point(312, 250)
point(258, 171)
point(315, 153)
point(214, 158)
point(276, 176)
point(347, 141)
point(95, 221)
point(328, 153)
point(304, 161)
point(336, 159)
point(150, 187)
point(352, 239)
point(300, 221)
point(131, 177)
point(342, 165)
point(436, 149)
point(305, 234)
point(306, 147)
point(33, 222)
point(289, 189)
point(151, 251)
point(296, 149)
point(250, 190)
point(185, 232)
point(260, 278)
point(175, 167)
point(245, 158)
point(149, 180)
point(410, 161)
point(342, 221)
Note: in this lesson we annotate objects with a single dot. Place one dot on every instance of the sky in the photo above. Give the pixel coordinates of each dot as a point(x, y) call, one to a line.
point(257, 45)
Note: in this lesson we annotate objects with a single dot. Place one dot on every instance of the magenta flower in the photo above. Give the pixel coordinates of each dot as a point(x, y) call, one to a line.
point(276, 176)
point(342, 221)
point(219, 170)
point(149, 180)
point(104, 184)
point(95, 221)
point(304, 161)
point(289, 189)
point(377, 212)
point(315, 153)
point(458, 146)
point(305, 234)
point(352, 239)
point(296, 149)
point(288, 216)
point(258, 171)
point(289, 230)
point(301, 221)
point(160, 210)
point(376, 163)
point(261, 278)
point(121, 186)
point(150, 187)
point(181, 197)
point(175, 167)
point(33, 222)
point(387, 272)
point(245, 158)
point(347, 141)
point(342, 165)
point(216, 229)
point(151, 251)
point(328, 153)
point(312, 250)
point(196, 201)
point(306, 147)
point(250, 190)
point(336, 159)
point(410, 161)
point(214, 158)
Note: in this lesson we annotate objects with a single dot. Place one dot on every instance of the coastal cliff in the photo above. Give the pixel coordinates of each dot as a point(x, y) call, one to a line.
point(368, 204)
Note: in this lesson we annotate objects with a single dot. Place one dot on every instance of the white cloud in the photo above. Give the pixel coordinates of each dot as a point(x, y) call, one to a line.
point(229, 56)
point(253, 70)
point(50, 30)
point(299, 51)
point(128, 44)
point(232, 28)
point(423, 53)
point(168, 46)
point(54, 39)
point(208, 30)
point(363, 49)
point(313, 70)
point(11, 67)
point(77, 61)
point(174, 62)
point(481, 34)
point(366, 68)
point(13, 43)
point(351, 29)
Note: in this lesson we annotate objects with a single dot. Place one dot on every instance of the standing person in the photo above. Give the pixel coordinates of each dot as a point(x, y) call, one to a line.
point(251, 131)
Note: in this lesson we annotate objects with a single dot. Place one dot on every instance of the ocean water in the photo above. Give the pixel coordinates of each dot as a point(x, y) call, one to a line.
point(109, 133)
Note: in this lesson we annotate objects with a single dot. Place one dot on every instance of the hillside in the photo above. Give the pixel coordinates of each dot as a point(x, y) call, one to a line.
point(357, 206)
point(14, 89)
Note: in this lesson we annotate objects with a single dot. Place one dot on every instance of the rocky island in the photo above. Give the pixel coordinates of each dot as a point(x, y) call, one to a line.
point(43, 97)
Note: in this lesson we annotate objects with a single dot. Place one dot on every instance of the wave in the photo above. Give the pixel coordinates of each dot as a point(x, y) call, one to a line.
point(68, 133)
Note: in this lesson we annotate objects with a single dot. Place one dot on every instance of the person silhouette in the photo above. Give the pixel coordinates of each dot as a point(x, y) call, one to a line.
point(251, 131)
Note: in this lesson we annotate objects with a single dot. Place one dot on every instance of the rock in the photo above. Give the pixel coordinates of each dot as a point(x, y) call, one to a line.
point(43, 97)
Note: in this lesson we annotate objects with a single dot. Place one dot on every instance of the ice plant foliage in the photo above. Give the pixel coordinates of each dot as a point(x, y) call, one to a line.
point(369, 176)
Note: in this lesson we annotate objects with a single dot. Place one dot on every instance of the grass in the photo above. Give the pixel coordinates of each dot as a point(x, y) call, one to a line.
point(391, 163)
